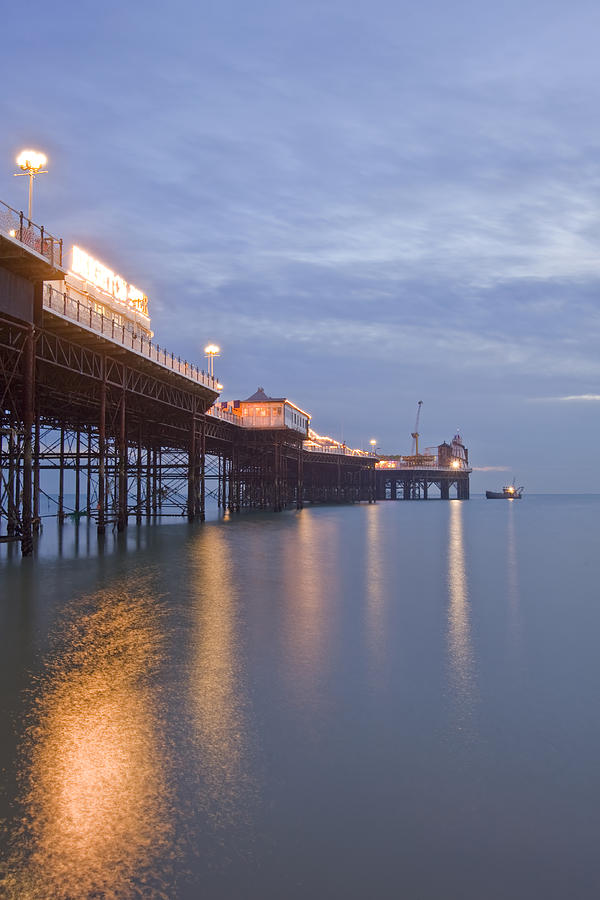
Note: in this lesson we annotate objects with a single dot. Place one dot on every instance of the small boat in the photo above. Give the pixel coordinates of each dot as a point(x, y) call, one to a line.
point(509, 492)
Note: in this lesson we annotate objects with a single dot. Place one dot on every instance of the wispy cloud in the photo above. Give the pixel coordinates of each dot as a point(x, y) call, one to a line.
point(491, 468)
point(569, 398)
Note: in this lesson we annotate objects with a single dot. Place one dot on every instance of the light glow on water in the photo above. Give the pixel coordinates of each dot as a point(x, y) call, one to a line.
point(352, 700)
point(460, 646)
point(217, 700)
point(96, 788)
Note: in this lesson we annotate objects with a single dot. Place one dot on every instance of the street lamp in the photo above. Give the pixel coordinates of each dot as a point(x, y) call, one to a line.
point(211, 351)
point(373, 443)
point(31, 162)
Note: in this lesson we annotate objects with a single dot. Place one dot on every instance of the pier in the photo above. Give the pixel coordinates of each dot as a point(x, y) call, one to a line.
point(445, 467)
point(92, 402)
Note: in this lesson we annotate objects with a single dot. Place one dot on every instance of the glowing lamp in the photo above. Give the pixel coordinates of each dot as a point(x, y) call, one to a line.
point(31, 161)
point(211, 350)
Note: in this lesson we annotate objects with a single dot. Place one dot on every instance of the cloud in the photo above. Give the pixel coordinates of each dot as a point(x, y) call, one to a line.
point(491, 468)
point(569, 398)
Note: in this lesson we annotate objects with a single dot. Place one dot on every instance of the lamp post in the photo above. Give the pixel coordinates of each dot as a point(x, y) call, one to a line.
point(211, 351)
point(31, 162)
point(373, 444)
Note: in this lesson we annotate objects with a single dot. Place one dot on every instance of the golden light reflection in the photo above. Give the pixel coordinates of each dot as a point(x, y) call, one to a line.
point(514, 598)
point(218, 697)
point(375, 592)
point(96, 801)
point(459, 628)
point(311, 590)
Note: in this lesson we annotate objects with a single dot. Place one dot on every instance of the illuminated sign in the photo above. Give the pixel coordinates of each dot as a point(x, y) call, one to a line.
point(93, 271)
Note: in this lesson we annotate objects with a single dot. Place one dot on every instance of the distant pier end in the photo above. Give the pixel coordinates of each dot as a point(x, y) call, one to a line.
point(445, 468)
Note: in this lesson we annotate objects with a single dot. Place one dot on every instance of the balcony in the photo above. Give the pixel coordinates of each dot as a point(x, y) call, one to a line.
point(82, 312)
point(224, 414)
point(16, 225)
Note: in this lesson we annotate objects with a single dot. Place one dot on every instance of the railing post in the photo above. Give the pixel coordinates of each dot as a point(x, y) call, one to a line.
point(21, 227)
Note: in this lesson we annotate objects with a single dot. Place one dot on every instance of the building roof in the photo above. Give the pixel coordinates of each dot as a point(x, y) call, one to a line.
point(260, 397)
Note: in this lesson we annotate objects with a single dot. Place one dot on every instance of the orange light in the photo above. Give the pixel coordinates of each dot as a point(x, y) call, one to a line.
point(31, 160)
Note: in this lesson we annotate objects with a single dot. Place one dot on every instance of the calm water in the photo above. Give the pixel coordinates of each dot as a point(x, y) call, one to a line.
point(383, 701)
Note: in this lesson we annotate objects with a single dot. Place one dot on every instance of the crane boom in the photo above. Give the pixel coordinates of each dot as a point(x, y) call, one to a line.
point(415, 434)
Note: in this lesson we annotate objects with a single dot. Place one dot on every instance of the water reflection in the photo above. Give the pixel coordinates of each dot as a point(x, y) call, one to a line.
point(96, 802)
point(462, 667)
point(311, 561)
point(512, 572)
point(374, 589)
point(218, 700)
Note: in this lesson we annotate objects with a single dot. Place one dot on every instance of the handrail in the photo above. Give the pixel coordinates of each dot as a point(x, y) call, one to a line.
point(83, 312)
point(405, 467)
point(224, 414)
point(16, 225)
point(338, 451)
point(242, 422)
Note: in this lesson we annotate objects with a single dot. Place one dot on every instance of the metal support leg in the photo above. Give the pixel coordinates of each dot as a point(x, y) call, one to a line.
point(138, 476)
point(28, 394)
point(61, 477)
point(192, 473)
point(36, 476)
point(88, 480)
point(77, 469)
point(300, 479)
point(203, 469)
point(102, 454)
point(122, 514)
point(148, 483)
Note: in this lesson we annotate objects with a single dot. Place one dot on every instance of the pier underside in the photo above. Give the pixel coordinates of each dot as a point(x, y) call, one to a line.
point(422, 484)
point(90, 429)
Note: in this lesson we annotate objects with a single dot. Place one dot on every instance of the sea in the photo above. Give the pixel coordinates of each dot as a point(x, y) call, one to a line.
point(398, 700)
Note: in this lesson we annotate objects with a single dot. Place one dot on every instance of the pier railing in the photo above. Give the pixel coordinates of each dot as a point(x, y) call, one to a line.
point(398, 465)
point(334, 449)
point(224, 414)
point(17, 226)
point(339, 450)
point(84, 313)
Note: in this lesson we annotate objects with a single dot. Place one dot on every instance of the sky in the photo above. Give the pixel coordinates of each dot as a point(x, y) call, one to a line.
point(364, 204)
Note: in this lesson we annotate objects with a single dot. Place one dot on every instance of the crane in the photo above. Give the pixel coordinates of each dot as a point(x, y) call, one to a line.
point(415, 434)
